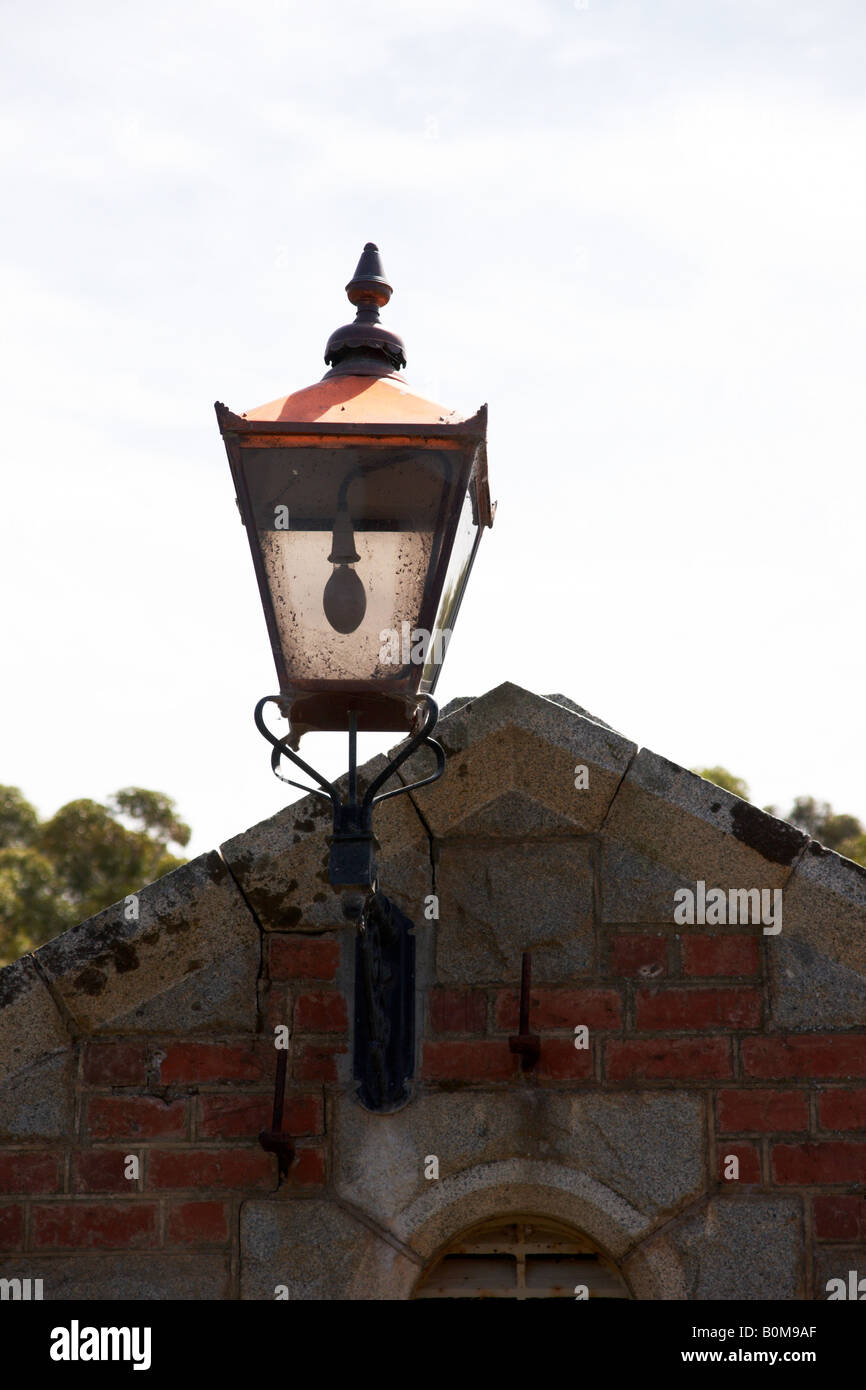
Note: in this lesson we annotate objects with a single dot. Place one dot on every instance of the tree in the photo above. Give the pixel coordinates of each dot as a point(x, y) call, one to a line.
point(839, 831)
point(32, 907)
point(720, 777)
point(19, 823)
point(88, 855)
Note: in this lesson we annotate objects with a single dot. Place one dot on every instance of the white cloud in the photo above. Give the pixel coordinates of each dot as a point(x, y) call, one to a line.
point(586, 51)
point(641, 246)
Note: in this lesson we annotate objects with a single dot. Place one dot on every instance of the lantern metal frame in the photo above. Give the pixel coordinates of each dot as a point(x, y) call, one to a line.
point(381, 705)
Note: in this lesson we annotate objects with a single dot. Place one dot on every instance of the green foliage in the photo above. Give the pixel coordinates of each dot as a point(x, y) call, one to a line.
point(843, 833)
point(155, 811)
point(820, 821)
point(854, 848)
point(60, 871)
point(32, 906)
point(720, 777)
point(19, 823)
point(840, 832)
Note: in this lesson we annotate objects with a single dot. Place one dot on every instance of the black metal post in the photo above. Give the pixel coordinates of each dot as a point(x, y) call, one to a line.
point(385, 948)
point(527, 1045)
point(275, 1140)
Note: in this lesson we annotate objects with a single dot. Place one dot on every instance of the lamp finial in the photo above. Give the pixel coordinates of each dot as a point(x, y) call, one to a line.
point(364, 347)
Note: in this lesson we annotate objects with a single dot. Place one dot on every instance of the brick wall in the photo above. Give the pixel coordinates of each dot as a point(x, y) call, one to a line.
point(190, 1112)
point(758, 1042)
point(791, 1108)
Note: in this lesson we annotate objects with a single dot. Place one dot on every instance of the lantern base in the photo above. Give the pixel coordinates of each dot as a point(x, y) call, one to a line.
point(374, 711)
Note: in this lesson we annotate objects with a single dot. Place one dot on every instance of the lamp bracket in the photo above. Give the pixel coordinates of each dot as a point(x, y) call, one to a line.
point(352, 862)
point(385, 945)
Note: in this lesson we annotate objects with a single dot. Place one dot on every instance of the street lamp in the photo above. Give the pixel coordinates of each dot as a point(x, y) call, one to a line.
point(364, 505)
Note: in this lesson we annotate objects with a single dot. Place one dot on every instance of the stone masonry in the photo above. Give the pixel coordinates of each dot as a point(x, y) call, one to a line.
point(152, 1038)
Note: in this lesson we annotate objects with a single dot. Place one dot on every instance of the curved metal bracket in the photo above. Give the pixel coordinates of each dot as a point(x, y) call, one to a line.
point(281, 749)
point(422, 738)
point(352, 861)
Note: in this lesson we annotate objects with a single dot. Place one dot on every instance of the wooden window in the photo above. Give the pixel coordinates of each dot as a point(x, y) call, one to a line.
point(521, 1257)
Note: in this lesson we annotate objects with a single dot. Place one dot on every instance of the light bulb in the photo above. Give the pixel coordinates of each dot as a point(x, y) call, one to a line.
point(344, 600)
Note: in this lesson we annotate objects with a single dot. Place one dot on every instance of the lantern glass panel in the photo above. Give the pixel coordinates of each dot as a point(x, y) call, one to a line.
point(353, 542)
point(465, 544)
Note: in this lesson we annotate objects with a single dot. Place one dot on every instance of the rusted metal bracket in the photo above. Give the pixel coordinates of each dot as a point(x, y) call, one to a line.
point(527, 1045)
point(275, 1140)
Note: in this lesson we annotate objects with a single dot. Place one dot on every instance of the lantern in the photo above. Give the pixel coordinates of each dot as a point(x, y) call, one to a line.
point(364, 505)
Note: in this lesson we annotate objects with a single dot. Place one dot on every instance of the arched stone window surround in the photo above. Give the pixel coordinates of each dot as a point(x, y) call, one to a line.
point(650, 1268)
point(521, 1257)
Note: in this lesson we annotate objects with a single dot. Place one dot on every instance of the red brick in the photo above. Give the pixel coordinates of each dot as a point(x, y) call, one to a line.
point(30, 1172)
point(95, 1226)
point(842, 1109)
point(277, 1008)
point(304, 957)
point(242, 1117)
point(839, 1217)
point(11, 1227)
point(316, 1061)
point(750, 1163)
point(657, 1059)
point(806, 1054)
point(480, 1060)
point(204, 1168)
point(198, 1062)
point(321, 1012)
point(825, 1162)
point(698, 1008)
point(308, 1169)
point(116, 1064)
point(630, 954)
point(720, 955)
point(762, 1111)
point(559, 1008)
point(235, 1117)
point(102, 1170)
point(560, 1060)
point(135, 1117)
point(197, 1223)
point(458, 1011)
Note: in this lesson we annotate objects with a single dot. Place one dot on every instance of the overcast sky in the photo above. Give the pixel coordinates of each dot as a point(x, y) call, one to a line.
point(637, 230)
